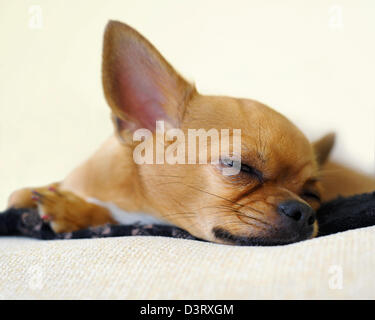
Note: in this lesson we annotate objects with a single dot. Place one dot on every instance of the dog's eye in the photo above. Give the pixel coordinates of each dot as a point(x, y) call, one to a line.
point(311, 195)
point(246, 169)
point(252, 171)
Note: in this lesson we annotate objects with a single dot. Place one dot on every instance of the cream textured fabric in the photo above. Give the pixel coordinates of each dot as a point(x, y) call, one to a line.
point(166, 268)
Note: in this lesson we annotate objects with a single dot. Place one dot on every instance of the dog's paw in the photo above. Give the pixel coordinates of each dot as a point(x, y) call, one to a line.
point(62, 209)
point(67, 212)
point(21, 198)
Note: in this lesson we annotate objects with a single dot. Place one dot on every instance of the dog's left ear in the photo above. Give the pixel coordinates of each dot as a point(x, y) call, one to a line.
point(323, 147)
point(140, 85)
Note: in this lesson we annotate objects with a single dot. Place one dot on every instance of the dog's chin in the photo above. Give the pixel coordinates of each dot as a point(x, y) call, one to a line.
point(272, 239)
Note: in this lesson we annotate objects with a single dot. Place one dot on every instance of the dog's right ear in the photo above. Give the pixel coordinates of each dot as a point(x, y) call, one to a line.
point(140, 86)
point(323, 148)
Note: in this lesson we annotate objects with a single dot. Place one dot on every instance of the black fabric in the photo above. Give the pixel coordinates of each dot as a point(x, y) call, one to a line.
point(335, 216)
point(27, 222)
point(348, 213)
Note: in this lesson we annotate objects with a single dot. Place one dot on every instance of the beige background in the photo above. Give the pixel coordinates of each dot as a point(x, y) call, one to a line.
point(311, 60)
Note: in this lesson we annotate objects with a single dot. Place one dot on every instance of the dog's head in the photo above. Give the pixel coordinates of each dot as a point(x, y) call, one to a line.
point(273, 197)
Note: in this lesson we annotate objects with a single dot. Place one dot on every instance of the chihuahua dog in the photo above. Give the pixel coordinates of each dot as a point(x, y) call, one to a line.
point(272, 200)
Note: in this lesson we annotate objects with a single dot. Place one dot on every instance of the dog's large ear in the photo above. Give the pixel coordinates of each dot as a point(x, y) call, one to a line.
point(323, 147)
point(139, 84)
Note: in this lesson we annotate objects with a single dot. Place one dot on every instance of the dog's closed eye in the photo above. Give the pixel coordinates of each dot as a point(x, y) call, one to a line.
point(245, 169)
point(253, 172)
point(311, 194)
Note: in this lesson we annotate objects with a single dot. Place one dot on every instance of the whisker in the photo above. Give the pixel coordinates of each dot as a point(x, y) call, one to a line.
point(240, 214)
point(212, 194)
point(180, 214)
point(235, 224)
point(165, 175)
point(220, 197)
point(237, 212)
point(230, 209)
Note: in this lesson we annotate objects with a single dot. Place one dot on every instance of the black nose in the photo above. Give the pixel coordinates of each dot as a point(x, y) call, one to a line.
point(298, 211)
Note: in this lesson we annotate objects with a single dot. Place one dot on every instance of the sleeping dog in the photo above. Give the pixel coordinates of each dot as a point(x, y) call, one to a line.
point(280, 177)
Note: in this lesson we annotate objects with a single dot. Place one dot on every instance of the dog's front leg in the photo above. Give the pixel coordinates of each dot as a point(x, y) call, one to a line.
point(23, 198)
point(65, 210)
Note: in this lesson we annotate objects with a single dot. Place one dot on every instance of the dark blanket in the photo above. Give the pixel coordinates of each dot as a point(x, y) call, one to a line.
point(335, 216)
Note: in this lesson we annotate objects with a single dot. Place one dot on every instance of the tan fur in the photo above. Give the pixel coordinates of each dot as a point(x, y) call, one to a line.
point(198, 197)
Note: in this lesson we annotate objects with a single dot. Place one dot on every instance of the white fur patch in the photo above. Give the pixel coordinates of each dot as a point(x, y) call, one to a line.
point(40, 210)
point(124, 217)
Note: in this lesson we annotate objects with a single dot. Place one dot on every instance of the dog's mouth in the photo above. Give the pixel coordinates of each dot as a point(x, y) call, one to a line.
point(273, 239)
